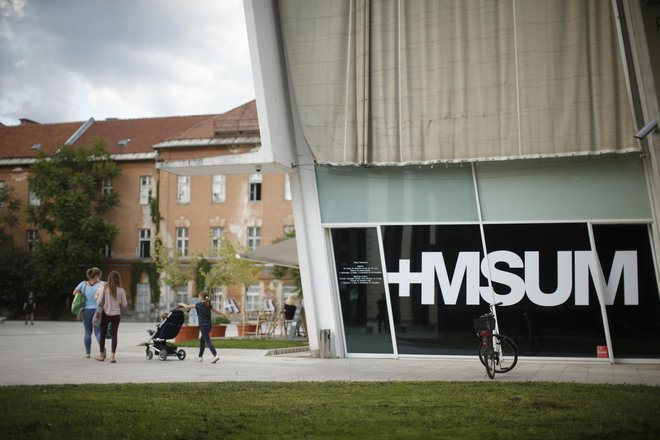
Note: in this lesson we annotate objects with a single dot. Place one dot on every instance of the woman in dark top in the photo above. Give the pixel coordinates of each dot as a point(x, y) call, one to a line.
point(204, 309)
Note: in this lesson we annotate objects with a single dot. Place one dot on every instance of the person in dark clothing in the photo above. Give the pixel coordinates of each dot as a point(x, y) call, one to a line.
point(204, 309)
point(29, 307)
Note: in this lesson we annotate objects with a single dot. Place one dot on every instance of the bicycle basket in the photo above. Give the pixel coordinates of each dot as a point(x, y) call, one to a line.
point(484, 323)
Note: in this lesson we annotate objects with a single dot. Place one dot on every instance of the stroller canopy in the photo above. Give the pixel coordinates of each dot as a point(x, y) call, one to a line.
point(171, 326)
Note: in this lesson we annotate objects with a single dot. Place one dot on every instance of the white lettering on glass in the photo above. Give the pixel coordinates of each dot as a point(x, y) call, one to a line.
point(581, 265)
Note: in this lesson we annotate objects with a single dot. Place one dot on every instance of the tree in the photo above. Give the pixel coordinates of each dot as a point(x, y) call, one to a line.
point(281, 272)
point(168, 261)
point(15, 264)
point(231, 270)
point(71, 213)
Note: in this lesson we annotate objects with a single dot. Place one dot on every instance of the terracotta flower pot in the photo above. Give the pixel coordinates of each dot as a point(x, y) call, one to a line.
point(187, 333)
point(218, 330)
point(246, 329)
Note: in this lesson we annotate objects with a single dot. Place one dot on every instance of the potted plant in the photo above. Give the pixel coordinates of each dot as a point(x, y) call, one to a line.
point(233, 271)
point(219, 327)
point(246, 328)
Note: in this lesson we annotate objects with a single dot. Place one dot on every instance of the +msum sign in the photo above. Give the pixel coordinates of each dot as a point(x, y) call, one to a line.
point(574, 268)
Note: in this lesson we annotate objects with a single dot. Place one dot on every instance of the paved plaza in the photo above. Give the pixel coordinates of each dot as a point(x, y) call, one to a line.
point(52, 353)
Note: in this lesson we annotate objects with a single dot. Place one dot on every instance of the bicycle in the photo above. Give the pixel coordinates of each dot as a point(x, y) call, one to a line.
point(498, 353)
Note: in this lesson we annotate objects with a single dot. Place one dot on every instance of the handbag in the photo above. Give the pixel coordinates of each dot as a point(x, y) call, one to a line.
point(78, 303)
point(96, 320)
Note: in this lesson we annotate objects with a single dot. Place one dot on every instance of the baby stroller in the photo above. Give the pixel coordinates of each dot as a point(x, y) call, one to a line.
point(168, 329)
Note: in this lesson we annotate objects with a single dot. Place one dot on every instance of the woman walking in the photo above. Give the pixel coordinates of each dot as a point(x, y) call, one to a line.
point(113, 298)
point(204, 309)
point(88, 288)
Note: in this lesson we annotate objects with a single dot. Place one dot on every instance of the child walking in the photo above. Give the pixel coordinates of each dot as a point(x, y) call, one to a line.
point(29, 306)
point(204, 309)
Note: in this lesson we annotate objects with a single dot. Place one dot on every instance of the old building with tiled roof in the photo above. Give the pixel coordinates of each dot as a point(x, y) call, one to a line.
point(251, 208)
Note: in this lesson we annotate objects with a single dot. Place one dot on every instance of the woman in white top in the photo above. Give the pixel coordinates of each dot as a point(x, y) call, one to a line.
point(113, 298)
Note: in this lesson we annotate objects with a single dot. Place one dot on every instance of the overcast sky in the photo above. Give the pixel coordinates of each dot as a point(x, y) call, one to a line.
point(69, 60)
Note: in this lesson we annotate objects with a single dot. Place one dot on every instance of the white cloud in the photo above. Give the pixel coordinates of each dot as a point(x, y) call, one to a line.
point(75, 59)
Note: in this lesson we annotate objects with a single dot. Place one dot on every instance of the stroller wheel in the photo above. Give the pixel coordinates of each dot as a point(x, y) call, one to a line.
point(181, 355)
point(163, 354)
point(149, 354)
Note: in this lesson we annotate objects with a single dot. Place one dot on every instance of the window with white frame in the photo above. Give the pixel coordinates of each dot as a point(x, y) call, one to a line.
point(287, 187)
point(32, 238)
point(287, 291)
point(145, 190)
point(216, 294)
point(144, 243)
point(33, 199)
point(106, 251)
point(216, 240)
point(2, 193)
point(106, 186)
point(183, 190)
point(253, 237)
point(182, 241)
point(255, 186)
point(218, 188)
point(252, 297)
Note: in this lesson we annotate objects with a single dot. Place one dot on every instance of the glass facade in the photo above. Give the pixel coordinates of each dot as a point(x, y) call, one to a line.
point(567, 253)
point(544, 275)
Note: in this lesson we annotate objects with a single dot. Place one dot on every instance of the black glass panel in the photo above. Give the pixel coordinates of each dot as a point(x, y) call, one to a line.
point(633, 308)
point(551, 308)
point(361, 290)
point(434, 321)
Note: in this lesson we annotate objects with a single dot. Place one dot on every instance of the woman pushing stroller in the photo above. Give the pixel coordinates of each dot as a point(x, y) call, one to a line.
point(204, 309)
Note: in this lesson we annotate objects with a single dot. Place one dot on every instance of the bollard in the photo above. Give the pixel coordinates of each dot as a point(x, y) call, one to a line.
point(324, 344)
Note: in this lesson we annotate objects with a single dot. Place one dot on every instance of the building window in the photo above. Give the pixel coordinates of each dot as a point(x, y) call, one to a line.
point(145, 190)
point(106, 186)
point(33, 199)
point(106, 251)
point(216, 241)
point(253, 294)
point(255, 187)
point(144, 247)
point(287, 291)
point(183, 191)
point(32, 238)
point(182, 241)
point(253, 237)
point(287, 187)
point(218, 189)
point(216, 294)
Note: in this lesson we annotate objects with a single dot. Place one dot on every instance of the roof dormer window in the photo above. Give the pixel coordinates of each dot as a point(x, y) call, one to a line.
point(123, 142)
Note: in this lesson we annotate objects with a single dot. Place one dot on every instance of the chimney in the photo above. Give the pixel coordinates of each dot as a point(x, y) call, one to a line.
point(26, 121)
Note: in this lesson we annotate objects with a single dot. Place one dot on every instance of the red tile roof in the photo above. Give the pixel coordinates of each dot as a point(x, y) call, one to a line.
point(240, 120)
point(141, 134)
point(127, 135)
point(17, 141)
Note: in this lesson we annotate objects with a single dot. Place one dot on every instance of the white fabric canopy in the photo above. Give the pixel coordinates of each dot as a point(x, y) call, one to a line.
point(283, 253)
point(386, 82)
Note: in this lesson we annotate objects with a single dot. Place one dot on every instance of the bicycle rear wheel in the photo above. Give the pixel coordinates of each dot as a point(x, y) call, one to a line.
point(506, 354)
point(487, 358)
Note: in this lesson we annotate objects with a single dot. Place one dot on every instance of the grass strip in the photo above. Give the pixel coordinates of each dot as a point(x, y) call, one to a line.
point(255, 344)
point(330, 410)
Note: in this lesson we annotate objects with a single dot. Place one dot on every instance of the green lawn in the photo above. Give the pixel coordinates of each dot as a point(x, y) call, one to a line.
point(331, 410)
point(257, 344)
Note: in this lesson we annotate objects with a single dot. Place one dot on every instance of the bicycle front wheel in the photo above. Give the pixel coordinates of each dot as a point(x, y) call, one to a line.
point(506, 353)
point(487, 358)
